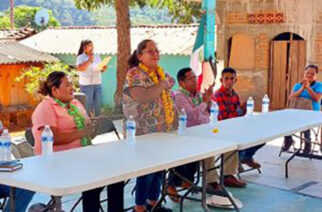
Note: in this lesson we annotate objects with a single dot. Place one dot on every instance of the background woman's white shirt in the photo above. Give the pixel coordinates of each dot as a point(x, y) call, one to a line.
point(92, 75)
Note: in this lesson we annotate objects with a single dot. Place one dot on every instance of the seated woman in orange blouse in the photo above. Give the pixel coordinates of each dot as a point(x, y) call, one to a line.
point(68, 120)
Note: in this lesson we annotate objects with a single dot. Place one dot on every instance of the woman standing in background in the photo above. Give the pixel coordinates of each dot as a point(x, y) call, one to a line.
point(90, 76)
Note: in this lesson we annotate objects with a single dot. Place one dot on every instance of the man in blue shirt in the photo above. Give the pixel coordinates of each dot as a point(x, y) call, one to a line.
point(310, 89)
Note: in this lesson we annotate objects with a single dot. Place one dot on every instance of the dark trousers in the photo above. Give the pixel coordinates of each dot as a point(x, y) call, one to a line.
point(91, 198)
point(247, 154)
point(188, 171)
point(148, 187)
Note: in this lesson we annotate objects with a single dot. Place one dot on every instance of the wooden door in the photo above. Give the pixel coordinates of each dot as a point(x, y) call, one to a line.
point(297, 58)
point(278, 74)
point(286, 68)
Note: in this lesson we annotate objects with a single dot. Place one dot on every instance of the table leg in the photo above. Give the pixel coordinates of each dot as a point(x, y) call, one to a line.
point(57, 204)
point(222, 183)
point(204, 187)
point(289, 160)
point(12, 199)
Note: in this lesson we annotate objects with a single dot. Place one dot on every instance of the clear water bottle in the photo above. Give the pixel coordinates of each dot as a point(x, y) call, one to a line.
point(6, 145)
point(265, 104)
point(182, 122)
point(1, 150)
point(1, 143)
point(130, 130)
point(47, 141)
point(250, 106)
point(214, 110)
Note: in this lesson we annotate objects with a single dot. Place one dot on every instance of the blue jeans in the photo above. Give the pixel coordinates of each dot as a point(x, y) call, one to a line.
point(23, 198)
point(93, 98)
point(247, 154)
point(148, 187)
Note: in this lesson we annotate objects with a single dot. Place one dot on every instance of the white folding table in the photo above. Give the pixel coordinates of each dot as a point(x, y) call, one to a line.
point(83, 169)
point(249, 131)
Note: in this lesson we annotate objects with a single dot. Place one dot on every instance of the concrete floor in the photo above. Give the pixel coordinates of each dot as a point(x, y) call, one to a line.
point(269, 191)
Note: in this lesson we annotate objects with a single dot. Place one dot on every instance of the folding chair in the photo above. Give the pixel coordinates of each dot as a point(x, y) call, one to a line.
point(104, 125)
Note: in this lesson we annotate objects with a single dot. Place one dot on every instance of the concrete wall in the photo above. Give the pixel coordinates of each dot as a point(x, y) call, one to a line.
point(170, 63)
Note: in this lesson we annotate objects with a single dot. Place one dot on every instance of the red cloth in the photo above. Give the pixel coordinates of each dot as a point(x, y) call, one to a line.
point(199, 82)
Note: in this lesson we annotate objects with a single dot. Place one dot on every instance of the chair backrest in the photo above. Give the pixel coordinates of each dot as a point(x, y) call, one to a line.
point(104, 125)
point(30, 137)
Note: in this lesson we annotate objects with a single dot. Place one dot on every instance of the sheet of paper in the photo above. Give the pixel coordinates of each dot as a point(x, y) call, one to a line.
point(104, 62)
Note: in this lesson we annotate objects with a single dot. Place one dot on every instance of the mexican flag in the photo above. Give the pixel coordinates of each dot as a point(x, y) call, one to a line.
point(201, 68)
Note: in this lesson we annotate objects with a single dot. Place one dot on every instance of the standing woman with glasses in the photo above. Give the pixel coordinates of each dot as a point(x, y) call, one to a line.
point(90, 76)
point(146, 97)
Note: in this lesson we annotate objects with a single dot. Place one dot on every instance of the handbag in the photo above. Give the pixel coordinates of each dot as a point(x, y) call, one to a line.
point(301, 103)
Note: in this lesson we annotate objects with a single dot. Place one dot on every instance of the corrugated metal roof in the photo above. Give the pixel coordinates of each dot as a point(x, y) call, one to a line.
point(12, 52)
point(171, 39)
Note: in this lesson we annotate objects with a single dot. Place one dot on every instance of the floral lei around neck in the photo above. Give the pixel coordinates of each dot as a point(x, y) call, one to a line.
point(156, 76)
point(196, 100)
point(79, 120)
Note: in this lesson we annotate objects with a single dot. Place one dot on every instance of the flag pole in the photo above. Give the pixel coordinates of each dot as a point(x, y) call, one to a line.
point(209, 7)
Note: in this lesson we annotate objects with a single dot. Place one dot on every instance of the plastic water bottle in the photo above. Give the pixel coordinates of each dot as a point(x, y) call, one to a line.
point(214, 110)
point(250, 106)
point(47, 141)
point(1, 143)
point(182, 122)
point(130, 130)
point(6, 146)
point(265, 104)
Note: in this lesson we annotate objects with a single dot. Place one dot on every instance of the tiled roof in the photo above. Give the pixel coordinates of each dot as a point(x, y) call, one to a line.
point(12, 52)
point(19, 34)
point(171, 39)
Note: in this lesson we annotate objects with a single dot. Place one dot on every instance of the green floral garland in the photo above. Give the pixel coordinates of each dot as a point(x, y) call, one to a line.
point(78, 119)
point(195, 100)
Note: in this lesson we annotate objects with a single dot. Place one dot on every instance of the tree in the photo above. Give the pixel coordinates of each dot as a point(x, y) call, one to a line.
point(35, 75)
point(182, 11)
point(24, 16)
point(123, 26)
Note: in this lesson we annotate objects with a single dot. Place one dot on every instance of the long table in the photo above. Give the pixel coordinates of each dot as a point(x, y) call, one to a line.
point(83, 169)
point(254, 130)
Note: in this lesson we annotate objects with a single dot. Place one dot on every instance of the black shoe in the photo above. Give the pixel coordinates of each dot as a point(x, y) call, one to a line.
point(157, 209)
point(287, 144)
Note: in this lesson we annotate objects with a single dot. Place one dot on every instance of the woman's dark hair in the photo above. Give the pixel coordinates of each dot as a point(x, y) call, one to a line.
point(312, 66)
point(181, 75)
point(54, 79)
point(228, 70)
point(134, 60)
point(82, 46)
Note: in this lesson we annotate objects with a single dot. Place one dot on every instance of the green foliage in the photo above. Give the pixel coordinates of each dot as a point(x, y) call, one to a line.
point(103, 12)
point(25, 15)
point(64, 10)
point(145, 15)
point(33, 76)
point(182, 11)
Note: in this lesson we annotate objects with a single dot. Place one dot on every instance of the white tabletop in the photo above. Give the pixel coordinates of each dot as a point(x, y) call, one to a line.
point(258, 129)
point(83, 169)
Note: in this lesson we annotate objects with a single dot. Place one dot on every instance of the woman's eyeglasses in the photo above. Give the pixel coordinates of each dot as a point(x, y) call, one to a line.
point(152, 52)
